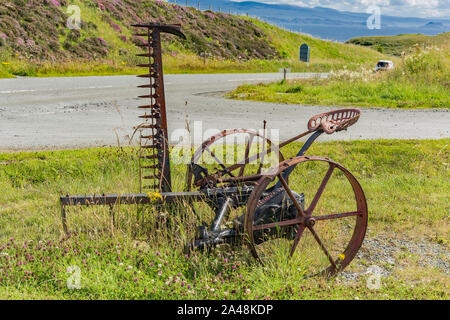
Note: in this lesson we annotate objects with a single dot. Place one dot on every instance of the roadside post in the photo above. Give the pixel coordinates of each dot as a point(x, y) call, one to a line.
point(285, 71)
point(205, 54)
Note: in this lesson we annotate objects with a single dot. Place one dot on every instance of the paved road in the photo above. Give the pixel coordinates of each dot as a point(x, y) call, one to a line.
point(40, 113)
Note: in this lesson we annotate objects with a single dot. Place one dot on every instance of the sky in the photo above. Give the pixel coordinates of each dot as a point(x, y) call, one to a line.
point(402, 8)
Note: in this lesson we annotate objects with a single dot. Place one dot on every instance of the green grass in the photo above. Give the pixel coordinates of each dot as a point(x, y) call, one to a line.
point(181, 64)
point(420, 80)
point(5, 74)
point(406, 183)
point(401, 44)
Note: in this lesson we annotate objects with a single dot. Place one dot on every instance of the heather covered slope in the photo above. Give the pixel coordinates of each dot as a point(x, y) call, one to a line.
point(38, 29)
point(34, 39)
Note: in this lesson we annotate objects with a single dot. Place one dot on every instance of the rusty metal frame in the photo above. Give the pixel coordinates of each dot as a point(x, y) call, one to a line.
point(220, 191)
point(154, 164)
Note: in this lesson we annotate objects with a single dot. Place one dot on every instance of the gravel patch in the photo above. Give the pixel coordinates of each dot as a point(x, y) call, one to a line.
point(380, 255)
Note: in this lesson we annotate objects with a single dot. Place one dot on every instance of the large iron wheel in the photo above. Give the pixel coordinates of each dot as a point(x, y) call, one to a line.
point(320, 236)
point(231, 156)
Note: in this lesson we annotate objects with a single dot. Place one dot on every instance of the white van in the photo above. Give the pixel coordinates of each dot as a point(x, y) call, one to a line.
point(384, 65)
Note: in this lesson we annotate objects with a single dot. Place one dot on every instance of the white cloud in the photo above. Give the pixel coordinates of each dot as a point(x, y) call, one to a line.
point(406, 8)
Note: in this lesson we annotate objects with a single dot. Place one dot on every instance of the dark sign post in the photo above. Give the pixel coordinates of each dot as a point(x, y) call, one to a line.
point(304, 53)
point(285, 71)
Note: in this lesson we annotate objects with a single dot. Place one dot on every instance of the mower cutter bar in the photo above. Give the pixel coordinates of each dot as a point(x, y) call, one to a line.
point(130, 198)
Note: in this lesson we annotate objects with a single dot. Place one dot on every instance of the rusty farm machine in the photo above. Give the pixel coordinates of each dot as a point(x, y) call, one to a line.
point(309, 208)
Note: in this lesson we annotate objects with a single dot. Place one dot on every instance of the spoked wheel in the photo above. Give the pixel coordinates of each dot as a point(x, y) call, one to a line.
point(315, 224)
point(224, 156)
point(222, 160)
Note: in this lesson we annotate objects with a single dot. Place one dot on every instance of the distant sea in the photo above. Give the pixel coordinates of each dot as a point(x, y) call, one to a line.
point(326, 23)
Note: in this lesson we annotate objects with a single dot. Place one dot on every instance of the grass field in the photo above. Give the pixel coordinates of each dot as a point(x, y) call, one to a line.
point(402, 43)
point(406, 183)
point(420, 80)
point(183, 63)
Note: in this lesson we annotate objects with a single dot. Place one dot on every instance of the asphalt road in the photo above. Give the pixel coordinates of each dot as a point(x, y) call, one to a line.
point(55, 113)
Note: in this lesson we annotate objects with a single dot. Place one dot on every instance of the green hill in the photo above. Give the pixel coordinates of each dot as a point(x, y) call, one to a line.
point(402, 43)
point(34, 40)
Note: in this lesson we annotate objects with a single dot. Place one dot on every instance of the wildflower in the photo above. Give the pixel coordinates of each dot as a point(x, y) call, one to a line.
point(102, 41)
point(341, 256)
point(155, 196)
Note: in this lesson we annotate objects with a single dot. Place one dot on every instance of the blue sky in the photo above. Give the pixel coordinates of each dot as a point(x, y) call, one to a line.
point(403, 8)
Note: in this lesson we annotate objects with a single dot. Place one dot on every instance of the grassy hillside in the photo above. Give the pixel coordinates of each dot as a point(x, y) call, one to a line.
point(403, 43)
point(35, 41)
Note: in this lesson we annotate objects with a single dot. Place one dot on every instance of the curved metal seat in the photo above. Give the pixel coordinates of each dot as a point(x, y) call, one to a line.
point(334, 121)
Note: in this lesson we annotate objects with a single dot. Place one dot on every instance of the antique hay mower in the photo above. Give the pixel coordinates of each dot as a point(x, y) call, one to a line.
point(310, 208)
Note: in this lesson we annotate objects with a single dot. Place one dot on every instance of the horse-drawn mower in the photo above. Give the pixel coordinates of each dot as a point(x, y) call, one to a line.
point(309, 208)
